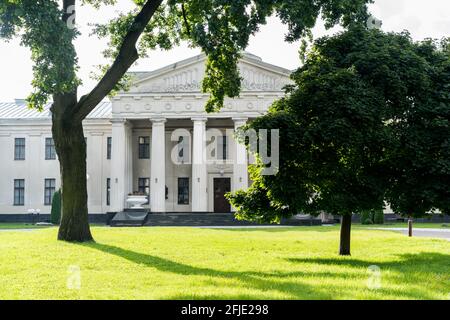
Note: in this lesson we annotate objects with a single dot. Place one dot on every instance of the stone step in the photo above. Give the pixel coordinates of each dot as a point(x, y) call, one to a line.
point(140, 218)
point(129, 219)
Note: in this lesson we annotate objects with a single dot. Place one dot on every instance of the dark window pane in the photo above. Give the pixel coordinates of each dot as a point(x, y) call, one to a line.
point(144, 147)
point(224, 147)
point(109, 146)
point(108, 191)
point(19, 149)
point(183, 190)
point(19, 192)
point(50, 151)
point(49, 190)
point(144, 186)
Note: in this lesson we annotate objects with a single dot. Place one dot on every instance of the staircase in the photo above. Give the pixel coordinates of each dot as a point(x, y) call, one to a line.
point(129, 218)
point(136, 218)
point(215, 219)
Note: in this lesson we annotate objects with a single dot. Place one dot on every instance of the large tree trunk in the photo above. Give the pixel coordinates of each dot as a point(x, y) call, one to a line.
point(346, 226)
point(71, 149)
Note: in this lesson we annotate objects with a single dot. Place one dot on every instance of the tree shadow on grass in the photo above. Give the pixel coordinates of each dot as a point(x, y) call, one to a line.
point(413, 268)
point(262, 281)
point(405, 260)
point(256, 280)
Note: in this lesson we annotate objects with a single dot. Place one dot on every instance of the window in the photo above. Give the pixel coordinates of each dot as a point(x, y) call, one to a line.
point(108, 148)
point(108, 191)
point(222, 147)
point(183, 190)
point(19, 149)
point(50, 152)
point(19, 192)
point(144, 147)
point(183, 149)
point(144, 186)
point(49, 190)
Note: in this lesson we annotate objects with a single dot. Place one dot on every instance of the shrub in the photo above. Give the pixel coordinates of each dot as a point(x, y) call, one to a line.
point(372, 217)
point(378, 216)
point(55, 216)
point(366, 217)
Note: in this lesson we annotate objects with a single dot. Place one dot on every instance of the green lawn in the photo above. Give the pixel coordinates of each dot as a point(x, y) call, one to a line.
point(20, 226)
point(192, 263)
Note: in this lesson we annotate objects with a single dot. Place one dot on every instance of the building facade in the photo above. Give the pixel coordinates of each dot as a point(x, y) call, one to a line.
point(155, 140)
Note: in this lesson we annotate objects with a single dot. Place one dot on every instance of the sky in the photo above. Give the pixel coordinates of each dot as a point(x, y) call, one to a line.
point(423, 19)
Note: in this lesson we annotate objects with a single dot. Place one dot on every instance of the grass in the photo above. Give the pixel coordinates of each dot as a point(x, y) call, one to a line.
point(20, 226)
point(194, 263)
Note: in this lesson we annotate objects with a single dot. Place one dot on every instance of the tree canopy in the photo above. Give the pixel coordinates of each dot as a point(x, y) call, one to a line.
point(366, 120)
point(221, 28)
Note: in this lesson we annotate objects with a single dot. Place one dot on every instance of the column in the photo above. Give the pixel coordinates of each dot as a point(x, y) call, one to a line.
point(128, 158)
point(119, 162)
point(240, 172)
point(199, 169)
point(158, 166)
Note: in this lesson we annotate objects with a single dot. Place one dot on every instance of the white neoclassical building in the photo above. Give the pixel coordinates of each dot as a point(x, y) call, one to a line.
point(154, 140)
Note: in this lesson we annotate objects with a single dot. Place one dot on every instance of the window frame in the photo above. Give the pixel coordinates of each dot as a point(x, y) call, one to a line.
point(50, 150)
point(19, 149)
point(183, 191)
point(222, 147)
point(145, 186)
point(144, 147)
point(48, 193)
point(108, 191)
point(108, 148)
point(21, 192)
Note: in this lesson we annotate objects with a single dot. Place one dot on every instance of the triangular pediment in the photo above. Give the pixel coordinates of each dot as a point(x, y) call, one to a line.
point(186, 76)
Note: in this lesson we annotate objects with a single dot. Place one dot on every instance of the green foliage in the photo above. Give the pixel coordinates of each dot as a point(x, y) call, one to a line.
point(378, 216)
point(40, 26)
point(366, 217)
point(374, 216)
point(55, 214)
point(367, 120)
point(420, 155)
point(220, 28)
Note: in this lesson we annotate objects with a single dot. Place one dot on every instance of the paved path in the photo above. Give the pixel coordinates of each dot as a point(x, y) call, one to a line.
point(422, 232)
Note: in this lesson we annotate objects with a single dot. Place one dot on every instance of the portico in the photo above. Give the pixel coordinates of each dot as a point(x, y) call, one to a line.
point(205, 160)
point(165, 146)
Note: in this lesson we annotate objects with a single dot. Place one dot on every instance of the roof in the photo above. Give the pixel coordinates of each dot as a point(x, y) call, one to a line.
point(19, 110)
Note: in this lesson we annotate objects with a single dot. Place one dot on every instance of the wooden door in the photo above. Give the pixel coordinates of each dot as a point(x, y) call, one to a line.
point(221, 186)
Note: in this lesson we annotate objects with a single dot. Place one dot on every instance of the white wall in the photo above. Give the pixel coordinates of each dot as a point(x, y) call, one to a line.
point(35, 169)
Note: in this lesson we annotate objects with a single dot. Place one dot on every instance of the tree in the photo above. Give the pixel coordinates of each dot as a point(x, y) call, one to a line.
point(419, 157)
point(221, 28)
point(55, 213)
point(342, 132)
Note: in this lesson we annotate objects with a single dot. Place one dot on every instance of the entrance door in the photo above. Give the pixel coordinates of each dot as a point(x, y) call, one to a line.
point(221, 186)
